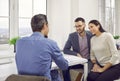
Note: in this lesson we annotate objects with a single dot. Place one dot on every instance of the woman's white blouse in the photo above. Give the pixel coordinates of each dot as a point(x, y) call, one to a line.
point(103, 48)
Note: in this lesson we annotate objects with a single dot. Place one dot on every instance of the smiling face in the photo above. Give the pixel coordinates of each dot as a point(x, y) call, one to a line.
point(93, 28)
point(80, 26)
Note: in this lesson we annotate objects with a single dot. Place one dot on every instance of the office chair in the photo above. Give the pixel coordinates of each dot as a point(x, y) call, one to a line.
point(15, 77)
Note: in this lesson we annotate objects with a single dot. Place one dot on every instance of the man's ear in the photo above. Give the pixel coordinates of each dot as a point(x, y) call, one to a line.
point(44, 26)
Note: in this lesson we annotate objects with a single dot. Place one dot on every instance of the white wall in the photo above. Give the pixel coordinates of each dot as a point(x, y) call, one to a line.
point(88, 9)
point(61, 15)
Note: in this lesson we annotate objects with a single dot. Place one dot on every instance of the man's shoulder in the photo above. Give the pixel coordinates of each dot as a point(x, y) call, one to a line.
point(23, 38)
point(73, 33)
point(51, 43)
point(50, 40)
point(88, 32)
point(38, 38)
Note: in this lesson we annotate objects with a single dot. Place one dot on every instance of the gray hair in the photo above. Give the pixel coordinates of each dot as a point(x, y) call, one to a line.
point(38, 21)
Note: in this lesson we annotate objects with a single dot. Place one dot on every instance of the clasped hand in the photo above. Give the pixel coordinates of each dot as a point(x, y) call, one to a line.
point(97, 68)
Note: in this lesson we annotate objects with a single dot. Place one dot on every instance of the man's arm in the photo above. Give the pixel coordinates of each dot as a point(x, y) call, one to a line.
point(68, 47)
point(58, 58)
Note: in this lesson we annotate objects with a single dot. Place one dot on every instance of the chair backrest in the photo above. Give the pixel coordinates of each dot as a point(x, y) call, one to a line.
point(15, 77)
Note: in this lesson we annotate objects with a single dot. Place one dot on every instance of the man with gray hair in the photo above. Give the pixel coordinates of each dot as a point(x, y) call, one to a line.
point(34, 54)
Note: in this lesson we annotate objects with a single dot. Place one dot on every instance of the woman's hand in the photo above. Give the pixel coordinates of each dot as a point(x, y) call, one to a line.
point(100, 70)
point(97, 68)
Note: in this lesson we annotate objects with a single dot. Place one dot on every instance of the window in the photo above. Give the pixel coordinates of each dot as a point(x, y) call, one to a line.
point(107, 14)
point(26, 12)
point(15, 17)
point(110, 15)
point(4, 21)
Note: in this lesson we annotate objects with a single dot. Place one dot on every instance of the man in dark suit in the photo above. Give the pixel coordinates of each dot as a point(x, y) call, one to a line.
point(78, 44)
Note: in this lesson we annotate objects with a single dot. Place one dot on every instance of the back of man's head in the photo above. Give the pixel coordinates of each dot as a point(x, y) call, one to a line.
point(80, 19)
point(38, 21)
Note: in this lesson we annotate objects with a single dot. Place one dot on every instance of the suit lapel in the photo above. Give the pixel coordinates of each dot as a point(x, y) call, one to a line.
point(76, 40)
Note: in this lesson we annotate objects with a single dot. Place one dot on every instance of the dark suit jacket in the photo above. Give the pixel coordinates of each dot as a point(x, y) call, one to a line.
point(72, 45)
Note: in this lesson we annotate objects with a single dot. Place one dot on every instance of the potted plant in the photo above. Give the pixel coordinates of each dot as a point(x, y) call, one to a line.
point(13, 42)
point(116, 37)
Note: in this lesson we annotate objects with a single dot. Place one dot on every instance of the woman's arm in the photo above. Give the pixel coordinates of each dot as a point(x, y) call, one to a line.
point(107, 66)
point(113, 50)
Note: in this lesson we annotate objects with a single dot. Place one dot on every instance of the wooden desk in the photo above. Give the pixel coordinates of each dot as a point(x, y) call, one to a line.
point(74, 60)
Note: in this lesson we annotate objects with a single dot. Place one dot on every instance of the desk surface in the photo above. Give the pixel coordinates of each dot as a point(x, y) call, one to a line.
point(72, 60)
